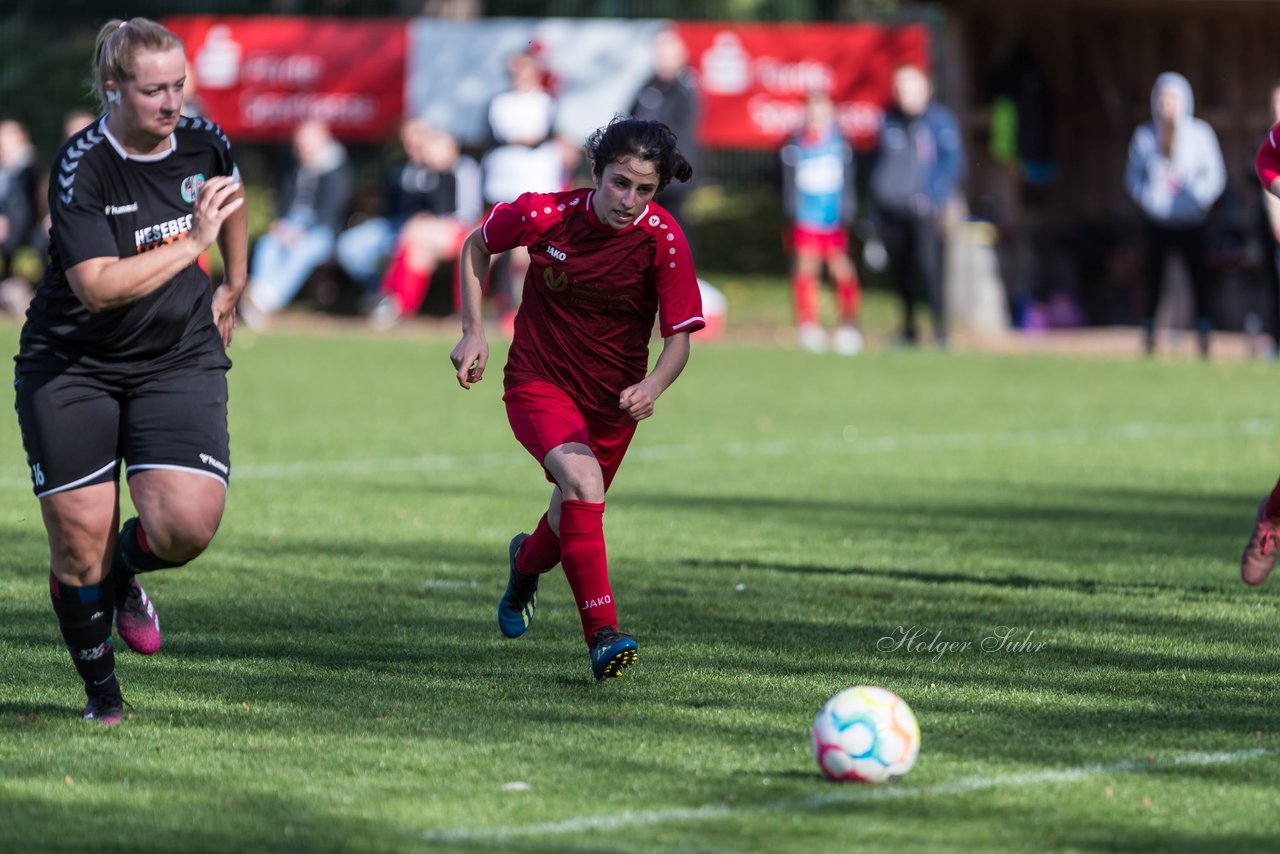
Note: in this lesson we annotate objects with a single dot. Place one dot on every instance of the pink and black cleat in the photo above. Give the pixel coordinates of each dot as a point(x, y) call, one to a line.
point(136, 620)
point(106, 709)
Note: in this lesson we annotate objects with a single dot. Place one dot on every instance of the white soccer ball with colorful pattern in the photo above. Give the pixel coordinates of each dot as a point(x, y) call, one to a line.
point(865, 735)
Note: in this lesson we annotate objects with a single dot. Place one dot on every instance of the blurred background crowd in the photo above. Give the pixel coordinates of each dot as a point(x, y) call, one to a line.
point(993, 166)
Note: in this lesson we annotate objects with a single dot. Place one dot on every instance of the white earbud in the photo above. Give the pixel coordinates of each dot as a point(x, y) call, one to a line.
point(113, 96)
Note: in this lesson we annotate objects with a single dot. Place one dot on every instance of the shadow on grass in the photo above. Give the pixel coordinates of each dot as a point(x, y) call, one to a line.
point(1084, 527)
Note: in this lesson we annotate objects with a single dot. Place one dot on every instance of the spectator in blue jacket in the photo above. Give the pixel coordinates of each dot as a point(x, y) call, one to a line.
point(1175, 174)
point(918, 166)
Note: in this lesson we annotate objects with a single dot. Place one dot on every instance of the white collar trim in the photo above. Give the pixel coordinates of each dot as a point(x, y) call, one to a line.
point(141, 158)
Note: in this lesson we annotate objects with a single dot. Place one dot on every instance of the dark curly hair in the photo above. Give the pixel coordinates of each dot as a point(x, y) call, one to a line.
point(645, 140)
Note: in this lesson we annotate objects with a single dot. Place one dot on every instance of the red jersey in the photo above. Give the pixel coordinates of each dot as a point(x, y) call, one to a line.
point(591, 294)
point(1267, 163)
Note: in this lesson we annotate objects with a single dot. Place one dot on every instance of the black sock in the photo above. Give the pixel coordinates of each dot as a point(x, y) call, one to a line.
point(84, 615)
point(133, 555)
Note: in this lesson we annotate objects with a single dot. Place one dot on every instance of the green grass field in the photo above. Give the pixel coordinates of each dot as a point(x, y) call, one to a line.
point(333, 677)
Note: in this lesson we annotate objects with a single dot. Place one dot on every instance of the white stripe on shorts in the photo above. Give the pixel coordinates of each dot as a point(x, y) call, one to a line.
point(129, 471)
point(80, 482)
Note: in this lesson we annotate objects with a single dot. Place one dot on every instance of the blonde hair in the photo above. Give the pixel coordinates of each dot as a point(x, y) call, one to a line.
point(118, 42)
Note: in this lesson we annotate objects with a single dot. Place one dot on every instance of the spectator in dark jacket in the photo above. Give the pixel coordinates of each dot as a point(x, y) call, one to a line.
point(433, 201)
point(434, 182)
point(670, 96)
point(18, 193)
point(311, 209)
point(918, 166)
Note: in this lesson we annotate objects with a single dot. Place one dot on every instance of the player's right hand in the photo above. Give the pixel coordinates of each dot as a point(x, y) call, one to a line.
point(469, 358)
point(220, 197)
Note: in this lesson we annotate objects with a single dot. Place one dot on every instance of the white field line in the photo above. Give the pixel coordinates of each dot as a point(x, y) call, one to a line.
point(851, 443)
point(844, 796)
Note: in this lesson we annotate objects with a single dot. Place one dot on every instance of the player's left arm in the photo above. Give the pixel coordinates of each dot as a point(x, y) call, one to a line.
point(638, 400)
point(679, 315)
point(233, 236)
point(233, 242)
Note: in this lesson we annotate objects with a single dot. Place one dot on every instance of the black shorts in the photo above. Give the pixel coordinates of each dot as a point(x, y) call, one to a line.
point(77, 426)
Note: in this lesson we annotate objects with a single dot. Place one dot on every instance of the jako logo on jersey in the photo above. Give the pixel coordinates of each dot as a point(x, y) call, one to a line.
point(116, 210)
point(554, 282)
point(217, 464)
point(556, 253)
point(596, 603)
point(191, 185)
point(154, 236)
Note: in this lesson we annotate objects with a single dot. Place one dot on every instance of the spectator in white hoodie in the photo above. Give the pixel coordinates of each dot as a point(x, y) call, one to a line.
point(1175, 174)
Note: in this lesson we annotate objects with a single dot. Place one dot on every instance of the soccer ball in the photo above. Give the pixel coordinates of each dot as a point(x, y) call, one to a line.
point(866, 735)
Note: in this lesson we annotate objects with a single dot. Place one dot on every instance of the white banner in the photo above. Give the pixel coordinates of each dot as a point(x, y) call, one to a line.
point(456, 68)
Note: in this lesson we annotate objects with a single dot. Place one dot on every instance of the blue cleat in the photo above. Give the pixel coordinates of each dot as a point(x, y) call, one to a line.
point(515, 611)
point(611, 651)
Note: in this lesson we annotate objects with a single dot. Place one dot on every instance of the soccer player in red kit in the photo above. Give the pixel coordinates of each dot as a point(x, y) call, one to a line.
point(1260, 554)
point(605, 261)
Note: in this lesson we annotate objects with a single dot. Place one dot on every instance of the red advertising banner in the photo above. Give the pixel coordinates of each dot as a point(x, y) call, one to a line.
point(754, 78)
point(259, 77)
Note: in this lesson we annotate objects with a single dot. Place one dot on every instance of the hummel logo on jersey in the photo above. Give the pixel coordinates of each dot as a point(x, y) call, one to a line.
point(556, 253)
point(116, 210)
point(596, 603)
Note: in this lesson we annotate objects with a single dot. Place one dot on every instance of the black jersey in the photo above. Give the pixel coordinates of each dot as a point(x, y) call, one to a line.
point(106, 203)
point(413, 189)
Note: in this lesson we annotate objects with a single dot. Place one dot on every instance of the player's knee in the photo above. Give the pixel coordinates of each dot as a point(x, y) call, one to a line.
point(76, 566)
point(584, 484)
point(417, 230)
point(181, 538)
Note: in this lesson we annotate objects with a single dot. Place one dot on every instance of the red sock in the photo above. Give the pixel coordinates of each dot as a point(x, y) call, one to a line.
point(849, 296)
point(541, 552)
point(585, 564)
point(407, 285)
point(1273, 503)
point(804, 292)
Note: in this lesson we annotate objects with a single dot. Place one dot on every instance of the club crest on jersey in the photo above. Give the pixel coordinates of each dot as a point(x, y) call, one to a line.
point(555, 282)
point(191, 185)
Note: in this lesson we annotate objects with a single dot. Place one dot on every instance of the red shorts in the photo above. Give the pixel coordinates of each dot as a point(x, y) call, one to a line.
point(819, 241)
point(461, 231)
point(543, 417)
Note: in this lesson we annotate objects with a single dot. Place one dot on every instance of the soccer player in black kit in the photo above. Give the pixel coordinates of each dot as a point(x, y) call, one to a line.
point(123, 355)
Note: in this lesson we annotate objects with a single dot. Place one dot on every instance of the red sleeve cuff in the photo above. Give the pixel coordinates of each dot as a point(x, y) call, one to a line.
point(1267, 163)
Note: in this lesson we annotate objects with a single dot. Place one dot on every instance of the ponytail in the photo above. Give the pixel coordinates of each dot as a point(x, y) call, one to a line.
point(645, 140)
